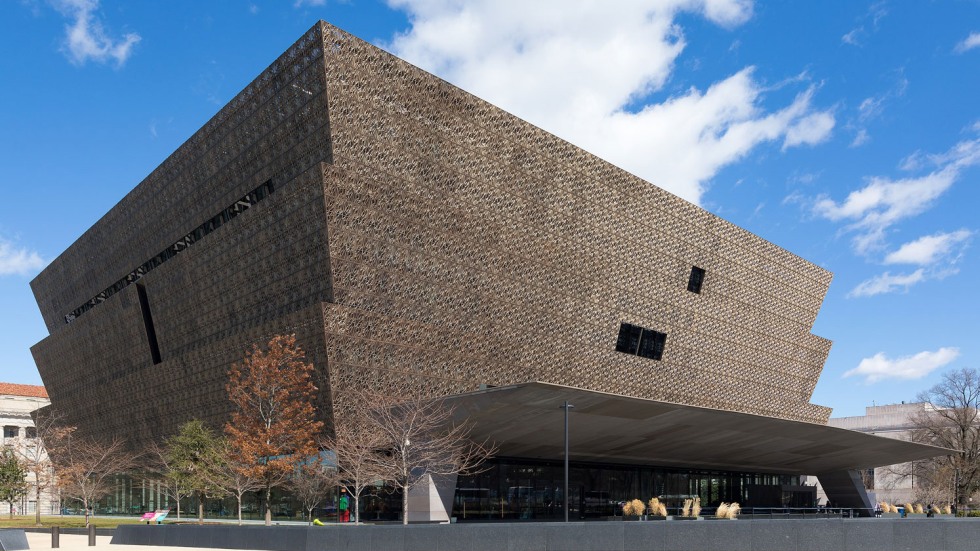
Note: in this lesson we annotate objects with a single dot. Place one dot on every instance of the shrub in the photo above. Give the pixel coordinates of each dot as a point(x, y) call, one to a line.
point(696, 507)
point(686, 510)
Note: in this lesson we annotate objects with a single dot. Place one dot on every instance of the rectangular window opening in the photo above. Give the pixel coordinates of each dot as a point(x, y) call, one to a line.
point(641, 341)
point(696, 280)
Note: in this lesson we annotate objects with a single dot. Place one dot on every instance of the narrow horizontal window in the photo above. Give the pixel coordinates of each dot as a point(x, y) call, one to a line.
point(179, 246)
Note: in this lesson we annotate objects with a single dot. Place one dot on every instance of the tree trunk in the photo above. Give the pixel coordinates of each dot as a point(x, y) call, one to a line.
point(37, 508)
point(268, 506)
point(357, 508)
point(85, 504)
point(405, 504)
point(239, 509)
point(178, 508)
point(200, 507)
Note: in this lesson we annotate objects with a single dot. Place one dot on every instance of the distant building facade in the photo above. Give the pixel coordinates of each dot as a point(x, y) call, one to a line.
point(414, 236)
point(17, 402)
point(891, 483)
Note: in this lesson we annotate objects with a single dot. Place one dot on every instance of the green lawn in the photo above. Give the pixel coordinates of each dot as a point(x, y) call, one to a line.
point(67, 521)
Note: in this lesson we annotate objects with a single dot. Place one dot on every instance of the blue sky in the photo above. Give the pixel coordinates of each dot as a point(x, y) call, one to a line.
point(845, 131)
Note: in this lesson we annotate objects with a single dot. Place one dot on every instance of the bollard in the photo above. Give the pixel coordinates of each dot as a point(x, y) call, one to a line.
point(91, 535)
point(55, 537)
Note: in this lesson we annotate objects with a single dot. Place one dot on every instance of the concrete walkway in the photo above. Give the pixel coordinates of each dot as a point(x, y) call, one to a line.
point(74, 542)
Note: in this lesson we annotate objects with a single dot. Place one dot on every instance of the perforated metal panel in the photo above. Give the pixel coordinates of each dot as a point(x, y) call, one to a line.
point(417, 236)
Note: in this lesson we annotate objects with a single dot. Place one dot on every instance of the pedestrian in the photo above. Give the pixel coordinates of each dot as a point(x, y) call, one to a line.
point(929, 511)
point(877, 510)
point(343, 506)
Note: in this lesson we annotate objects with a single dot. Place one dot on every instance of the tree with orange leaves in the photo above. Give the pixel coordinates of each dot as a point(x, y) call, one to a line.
point(273, 429)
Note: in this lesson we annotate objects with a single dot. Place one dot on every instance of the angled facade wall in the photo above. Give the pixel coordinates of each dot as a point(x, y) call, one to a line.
point(413, 235)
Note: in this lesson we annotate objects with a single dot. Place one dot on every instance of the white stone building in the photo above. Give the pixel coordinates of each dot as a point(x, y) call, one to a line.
point(16, 404)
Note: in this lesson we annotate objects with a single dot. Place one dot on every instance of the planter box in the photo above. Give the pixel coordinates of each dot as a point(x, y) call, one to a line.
point(678, 517)
point(655, 517)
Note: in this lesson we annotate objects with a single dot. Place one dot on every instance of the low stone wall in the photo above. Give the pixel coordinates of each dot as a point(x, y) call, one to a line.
point(709, 535)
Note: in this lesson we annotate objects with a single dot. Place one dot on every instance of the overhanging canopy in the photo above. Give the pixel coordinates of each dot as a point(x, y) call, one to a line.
point(526, 421)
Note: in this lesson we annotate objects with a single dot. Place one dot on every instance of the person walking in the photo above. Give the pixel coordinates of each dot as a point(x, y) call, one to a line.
point(343, 506)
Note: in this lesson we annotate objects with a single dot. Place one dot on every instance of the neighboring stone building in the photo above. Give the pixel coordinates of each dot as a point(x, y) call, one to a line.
point(16, 404)
point(891, 483)
point(415, 236)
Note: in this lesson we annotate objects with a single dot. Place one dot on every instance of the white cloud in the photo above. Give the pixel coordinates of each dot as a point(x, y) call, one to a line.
point(86, 39)
point(860, 138)
point(18, 260)
point(883, 202)
point(583, 71)
point(968, 43)
point(929, 249)
point(887, 283)
point(853, 37)
point(880, 367)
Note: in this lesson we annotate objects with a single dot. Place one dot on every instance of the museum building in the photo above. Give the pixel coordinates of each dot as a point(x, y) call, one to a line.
point(414, 236)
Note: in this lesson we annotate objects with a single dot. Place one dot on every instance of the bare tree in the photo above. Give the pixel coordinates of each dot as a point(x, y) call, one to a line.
point(172, 480)
point(234, 474)
point(86, 467)
point(360, 446)
point(953, 422)
point(36, 451)
point(423, 441)
point(311, 482)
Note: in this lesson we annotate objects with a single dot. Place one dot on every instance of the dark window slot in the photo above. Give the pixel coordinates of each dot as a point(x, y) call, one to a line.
point(151, 333)
point(696, 280)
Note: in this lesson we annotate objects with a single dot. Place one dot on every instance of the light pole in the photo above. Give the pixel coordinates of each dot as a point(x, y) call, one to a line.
point(566, 406)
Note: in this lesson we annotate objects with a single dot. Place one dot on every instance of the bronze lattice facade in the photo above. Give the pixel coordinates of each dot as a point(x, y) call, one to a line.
point(411, 233)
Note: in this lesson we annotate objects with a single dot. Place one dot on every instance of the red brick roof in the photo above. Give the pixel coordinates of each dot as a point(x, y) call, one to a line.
point(13, 389)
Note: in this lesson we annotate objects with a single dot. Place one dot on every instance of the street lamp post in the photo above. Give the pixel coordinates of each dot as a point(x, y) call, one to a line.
point(566, 406)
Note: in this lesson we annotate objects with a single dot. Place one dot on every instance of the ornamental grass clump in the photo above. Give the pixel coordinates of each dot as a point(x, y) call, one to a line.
point(947, 510)
point(733, 510)
point(657, 508)
point(909, 508)
point(722, 511)
point(918, 508)
point(634, 508)
point(686, 509)
point(696, 507)
point(936, 510)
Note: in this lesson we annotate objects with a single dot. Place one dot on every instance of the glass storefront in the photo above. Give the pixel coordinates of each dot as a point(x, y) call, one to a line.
point(518, 489)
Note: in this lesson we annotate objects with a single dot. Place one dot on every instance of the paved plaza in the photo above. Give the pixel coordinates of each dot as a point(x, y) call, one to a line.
point(77, 542)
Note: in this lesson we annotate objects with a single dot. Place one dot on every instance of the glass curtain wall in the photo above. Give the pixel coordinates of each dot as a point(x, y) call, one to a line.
point(516, 489)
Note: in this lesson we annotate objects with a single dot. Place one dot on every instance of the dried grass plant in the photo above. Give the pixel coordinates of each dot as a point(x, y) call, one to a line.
point(634, 508)
point(947, 510)
point(722, 511)
point(733, 510)
point(936, 510)
point(686, 509)
point(655, 507)
point(909, 508)
point(918, 509)
point(696, 507)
